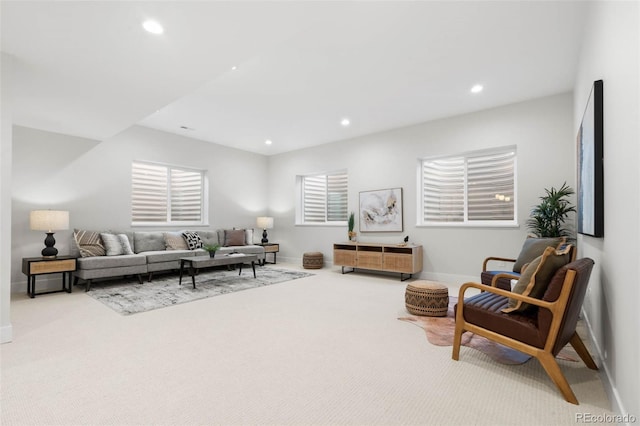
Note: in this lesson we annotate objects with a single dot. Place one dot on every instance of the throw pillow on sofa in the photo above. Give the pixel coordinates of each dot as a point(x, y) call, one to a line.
point(193, 240)
point(175, 241)
point(116, 244)
point(89, 243)
point(234, 237)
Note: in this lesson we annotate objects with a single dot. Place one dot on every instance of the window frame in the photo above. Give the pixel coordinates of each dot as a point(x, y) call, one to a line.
point(300, 206)
point(466, 223)
point(204, 196)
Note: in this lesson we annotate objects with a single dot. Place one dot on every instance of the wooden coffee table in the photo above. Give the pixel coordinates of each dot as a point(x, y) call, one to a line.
point(199, 262)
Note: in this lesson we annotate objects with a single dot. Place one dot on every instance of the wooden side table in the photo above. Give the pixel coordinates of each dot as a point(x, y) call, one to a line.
point(34, 266)
point(273, 248)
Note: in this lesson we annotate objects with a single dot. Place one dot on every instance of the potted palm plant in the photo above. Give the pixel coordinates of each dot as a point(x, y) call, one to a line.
point(211, 249)
point(351, 223)
point(548, 217)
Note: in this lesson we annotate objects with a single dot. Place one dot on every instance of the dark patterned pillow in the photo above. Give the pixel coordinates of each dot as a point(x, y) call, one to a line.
point(89, 243)
point(193, 240)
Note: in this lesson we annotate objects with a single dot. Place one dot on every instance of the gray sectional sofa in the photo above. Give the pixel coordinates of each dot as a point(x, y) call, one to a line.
point(149, 252)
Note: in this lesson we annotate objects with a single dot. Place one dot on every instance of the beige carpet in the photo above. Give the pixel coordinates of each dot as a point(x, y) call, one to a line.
point(321, 350)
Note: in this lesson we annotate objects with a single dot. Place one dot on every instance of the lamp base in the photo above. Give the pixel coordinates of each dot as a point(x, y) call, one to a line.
point(264, 236)
point(50, 252)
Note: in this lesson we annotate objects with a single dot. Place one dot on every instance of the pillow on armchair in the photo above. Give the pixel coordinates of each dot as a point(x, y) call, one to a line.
point(536, 276)
point(534, 247)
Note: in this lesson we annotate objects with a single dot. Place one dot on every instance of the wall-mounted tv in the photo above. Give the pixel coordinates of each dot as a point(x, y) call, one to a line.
point(590, 168)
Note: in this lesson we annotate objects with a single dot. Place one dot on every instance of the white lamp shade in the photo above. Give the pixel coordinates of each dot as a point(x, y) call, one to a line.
point(49, 220)
point(265, 222)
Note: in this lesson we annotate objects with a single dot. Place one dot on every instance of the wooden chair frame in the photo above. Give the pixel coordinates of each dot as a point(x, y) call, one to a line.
point(544, 355)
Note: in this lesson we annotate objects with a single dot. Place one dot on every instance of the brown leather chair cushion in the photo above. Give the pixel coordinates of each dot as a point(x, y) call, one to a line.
point(485, 310)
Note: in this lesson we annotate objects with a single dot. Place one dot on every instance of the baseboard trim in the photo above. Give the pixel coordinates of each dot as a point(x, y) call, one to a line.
point(605, 374)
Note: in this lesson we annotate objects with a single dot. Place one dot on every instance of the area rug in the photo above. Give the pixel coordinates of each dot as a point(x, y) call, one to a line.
point(127, 296)
point(440, 331)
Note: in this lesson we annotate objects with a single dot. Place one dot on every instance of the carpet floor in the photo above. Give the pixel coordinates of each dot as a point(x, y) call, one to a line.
point(128, 297)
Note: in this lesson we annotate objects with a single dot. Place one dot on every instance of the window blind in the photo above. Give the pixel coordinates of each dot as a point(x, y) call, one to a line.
point(164, 194)
point(469, 188)
point(324, 198)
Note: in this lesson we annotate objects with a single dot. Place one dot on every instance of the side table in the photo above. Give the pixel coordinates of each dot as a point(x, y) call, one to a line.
point(34, 266)
point(273, 248)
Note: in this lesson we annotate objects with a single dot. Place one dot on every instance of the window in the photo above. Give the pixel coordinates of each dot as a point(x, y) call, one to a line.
point(166, 195)
point(471, 189)
point(322, 199)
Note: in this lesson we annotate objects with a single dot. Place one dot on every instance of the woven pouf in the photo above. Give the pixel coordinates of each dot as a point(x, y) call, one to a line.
point(427, 298)
point(313, 260)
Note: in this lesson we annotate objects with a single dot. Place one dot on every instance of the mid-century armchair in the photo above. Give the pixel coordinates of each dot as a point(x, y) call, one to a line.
point(540, 330)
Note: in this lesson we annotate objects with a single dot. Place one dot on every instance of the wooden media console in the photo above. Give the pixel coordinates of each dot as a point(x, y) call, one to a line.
point(379, 257)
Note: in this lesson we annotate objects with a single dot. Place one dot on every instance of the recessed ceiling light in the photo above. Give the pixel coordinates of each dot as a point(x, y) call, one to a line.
point(477, 88)
point(233, 68)
point(268, 142)
point(345, 122)
point(153, 27)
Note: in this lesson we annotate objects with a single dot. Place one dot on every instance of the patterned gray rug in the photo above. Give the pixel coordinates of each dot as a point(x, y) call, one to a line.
point(128, 297)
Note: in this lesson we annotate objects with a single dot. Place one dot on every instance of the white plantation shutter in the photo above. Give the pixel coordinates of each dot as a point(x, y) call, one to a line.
point(324, 198)
point(443, 190)
point(471, 188)
point(491, 186)
point(186, 196)
point(166, 195)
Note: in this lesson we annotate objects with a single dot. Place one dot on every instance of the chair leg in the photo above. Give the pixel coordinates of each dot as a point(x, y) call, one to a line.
point(457, 340)
point(581, 349)
point(88, 285)
point(552, 368)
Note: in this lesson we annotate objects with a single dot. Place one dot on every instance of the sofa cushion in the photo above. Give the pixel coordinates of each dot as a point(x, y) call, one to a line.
point(89, 243)
point(234, 237)
point(534, 247)
point(193, 240)
point(148, 241)
point(167, 255)
point(536, 277)
point(209, 237)
point(116, 244)
point(105, 262)
point(175, 241)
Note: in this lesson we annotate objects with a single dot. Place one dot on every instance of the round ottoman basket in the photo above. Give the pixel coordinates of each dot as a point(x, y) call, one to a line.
point(427, 298)
point(313, 260)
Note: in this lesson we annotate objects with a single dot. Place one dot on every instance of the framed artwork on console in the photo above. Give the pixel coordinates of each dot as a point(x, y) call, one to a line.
point(381, 210)
point(590, 168)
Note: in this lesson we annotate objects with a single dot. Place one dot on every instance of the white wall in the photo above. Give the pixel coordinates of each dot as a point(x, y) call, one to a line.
point(541, 129)
point(92, 180)
point(611, 53)
point(6, 333)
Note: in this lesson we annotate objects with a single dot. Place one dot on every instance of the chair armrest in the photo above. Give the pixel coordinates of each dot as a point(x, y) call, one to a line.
point(496, 277)
point(501, 292)
point(499, 259)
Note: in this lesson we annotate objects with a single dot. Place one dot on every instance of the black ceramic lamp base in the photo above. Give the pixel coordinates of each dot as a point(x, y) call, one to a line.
point(49, 251)
point(264, 236)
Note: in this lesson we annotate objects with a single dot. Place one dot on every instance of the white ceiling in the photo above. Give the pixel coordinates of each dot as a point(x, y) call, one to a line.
point(89, 69)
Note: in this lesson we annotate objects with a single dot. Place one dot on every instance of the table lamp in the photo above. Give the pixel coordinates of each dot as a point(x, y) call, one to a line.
point(49, 221)
point(265, 223)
